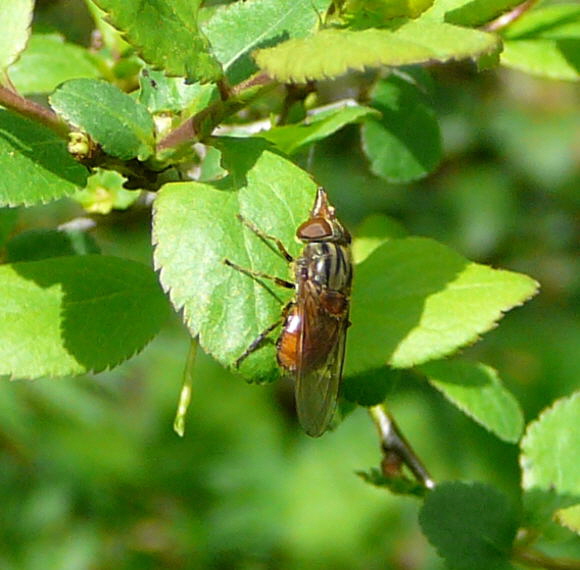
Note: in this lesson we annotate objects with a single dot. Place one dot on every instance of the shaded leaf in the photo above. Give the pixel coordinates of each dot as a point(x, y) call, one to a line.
point(415, 300)
point(49, 61)
point(112, 118)
point(333, 52)
point(405, 143)
point(16, 17)
point(292, 138)
point(195, 229)
point(377, 13)
point(8, 219)
point(167, 35)
point(93, 311)
point(34, 245)
point(477, 390)
point(549, 459)
point(237, 29)
point(35, 165)
point(472, 526)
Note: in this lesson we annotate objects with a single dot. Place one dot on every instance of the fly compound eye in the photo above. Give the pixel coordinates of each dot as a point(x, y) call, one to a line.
point(314, 229)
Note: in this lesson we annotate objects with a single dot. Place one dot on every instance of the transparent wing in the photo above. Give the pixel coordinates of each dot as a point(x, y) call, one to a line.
point(319, 363)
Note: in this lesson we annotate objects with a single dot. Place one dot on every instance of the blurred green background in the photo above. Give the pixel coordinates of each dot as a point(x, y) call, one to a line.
point(92, 475)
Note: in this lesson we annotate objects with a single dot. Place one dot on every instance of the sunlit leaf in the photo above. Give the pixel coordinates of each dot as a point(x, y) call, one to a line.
point(93, 311)
point(120, 125)
point(333, 52)
point(477, 390)
point(16, 17)
point(195, 229)
point(167, 35)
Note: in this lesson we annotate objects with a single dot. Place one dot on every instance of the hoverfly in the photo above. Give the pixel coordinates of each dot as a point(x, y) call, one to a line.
point(310, 347)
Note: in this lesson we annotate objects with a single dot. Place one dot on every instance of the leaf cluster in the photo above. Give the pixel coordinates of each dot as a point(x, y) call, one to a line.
point(183, 106)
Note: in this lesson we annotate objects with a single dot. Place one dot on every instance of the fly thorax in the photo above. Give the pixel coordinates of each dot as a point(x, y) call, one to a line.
point(326, 264)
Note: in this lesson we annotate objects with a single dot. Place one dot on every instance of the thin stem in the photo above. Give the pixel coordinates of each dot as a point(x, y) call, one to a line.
point(395, 445)
point(186, 389)
point(34, 111)
point(509, 17)
point(536, 559)
point(201, 125)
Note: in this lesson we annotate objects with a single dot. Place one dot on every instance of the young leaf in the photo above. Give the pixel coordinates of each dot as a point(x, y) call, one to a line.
point(405, 143)
point(48, 61)
point(35, 165)
point(545, 42)
point(237, 29)
point(104, 192)
point(292, 138)
point(471, 525)
point(16, 17)
point(333, 52)
point(195, 229)
point(42, 244)
point(161, 94)
point(70, 315)
point(167, 35)
point(477, 390)
point(415, 300)
point(549, 460)
point(112, 118)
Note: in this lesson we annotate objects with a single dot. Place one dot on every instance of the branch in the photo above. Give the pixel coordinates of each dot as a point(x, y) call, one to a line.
point(509, 17)
point(31, 110)
point(536, 559)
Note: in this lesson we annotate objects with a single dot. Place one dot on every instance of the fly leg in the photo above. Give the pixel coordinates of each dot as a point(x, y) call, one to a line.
point(281, 247)
point(257, 342)
point(259, 275)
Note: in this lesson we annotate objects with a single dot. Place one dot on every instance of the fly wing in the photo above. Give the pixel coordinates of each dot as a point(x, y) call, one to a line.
point(319, 360)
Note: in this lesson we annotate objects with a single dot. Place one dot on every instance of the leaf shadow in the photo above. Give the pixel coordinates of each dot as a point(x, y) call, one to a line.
point(390, 291)
point(100, 300)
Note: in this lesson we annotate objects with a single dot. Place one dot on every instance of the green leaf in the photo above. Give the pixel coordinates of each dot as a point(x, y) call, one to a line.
point(34, 245)
point(570, 518)
point(167, 35)
point(375, 230)
point(112, 118)
point(477, 390)
point(377, 13)
point(292, 138)
point(35, 165)
point(161, 94)
point(405, 144)
point(195, 229)
point(16, 17)
point(472, 526)
point(545, 42)
point(70, 315)
point(549, 459)
point(479, 12)
point(333, 52)
point(415, 300)
point(104, 192)
point(236, 30)
point(48, 61)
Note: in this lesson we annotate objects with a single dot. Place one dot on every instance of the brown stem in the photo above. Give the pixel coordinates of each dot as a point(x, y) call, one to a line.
point(536, 559)
point(509, 17)
point(201, 125)
point(34, 111)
